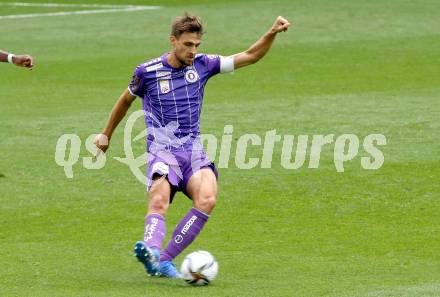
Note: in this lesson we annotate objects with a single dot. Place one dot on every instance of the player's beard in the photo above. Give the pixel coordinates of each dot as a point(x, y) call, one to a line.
point(183, 61)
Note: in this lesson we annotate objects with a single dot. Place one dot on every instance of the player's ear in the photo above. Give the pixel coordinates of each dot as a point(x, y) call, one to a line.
point(173, 40)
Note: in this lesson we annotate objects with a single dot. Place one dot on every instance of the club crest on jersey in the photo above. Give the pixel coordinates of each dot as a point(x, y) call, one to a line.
point(164, 86)
point(191, 76)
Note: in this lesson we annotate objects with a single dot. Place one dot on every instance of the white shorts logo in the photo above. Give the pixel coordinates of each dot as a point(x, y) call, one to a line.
point(191, 76)
point(160, 167)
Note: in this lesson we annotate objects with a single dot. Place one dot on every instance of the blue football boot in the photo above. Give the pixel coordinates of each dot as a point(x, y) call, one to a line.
point(168, 269)
point(149, 257)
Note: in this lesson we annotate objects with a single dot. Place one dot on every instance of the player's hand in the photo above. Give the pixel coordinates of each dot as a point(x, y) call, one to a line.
point(280, 25)
point(102, 143)
point(23, 61)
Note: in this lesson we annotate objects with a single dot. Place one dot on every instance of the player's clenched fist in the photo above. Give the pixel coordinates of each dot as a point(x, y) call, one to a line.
point(23, 61)
point(280, 25)
point(101, 142)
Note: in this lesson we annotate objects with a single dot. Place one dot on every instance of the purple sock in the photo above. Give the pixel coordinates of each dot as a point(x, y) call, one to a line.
point(154, 230)
point(186, 231)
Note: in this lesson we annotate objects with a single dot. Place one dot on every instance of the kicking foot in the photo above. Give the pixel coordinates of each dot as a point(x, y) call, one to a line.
point(168, 269)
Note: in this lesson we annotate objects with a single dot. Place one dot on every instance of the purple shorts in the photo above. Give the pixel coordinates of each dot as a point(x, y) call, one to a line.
point(178, 166)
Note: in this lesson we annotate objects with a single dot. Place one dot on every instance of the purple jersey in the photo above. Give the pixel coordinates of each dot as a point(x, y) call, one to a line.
point(172, 99)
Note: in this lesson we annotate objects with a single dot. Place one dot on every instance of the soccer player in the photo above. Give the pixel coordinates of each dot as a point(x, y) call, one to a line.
point(18, 60)
point(171, 88)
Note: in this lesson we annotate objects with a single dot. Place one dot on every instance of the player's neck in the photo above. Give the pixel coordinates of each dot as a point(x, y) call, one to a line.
point(173, 61)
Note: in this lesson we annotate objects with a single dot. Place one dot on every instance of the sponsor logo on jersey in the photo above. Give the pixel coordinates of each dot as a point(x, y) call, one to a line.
point(164, 86)
point(163, 73)
point(191, 76)
point(154, 67)
point(153, 61)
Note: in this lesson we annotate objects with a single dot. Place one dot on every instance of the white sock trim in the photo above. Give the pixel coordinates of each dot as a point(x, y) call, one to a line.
point(201, 212)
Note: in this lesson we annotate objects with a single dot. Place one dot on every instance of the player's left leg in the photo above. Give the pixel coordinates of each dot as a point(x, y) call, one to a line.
point(202, 189)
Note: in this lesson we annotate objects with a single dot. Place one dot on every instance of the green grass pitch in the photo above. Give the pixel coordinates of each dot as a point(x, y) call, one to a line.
point(345, 66)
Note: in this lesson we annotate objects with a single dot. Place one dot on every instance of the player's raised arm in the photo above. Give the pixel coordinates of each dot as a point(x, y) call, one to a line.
point(18, 60)
point(118, 112)
point(260, 48)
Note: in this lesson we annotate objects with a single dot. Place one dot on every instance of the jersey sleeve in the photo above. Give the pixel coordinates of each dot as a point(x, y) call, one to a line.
point(136, 86)
point(218, 64)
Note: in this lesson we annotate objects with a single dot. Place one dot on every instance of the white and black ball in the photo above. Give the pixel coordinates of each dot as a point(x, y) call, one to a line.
point(199, 268)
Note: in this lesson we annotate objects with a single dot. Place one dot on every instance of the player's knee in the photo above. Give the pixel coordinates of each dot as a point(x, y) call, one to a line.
point(206, 203)
point(158, 203)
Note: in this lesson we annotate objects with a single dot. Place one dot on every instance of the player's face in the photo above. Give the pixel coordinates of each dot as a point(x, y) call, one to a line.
point(186, 46)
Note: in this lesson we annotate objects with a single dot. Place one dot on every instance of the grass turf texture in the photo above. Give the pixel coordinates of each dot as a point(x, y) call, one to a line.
point(344, 67)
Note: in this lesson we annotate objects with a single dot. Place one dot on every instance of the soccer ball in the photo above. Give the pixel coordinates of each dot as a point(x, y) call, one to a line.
point(199, 268)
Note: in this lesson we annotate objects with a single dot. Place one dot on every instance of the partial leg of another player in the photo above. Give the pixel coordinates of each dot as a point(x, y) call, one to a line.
point(148, 250)
point(202, 189)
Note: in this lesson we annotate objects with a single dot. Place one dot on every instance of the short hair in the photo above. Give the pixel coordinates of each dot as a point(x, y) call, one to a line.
point(186, 23)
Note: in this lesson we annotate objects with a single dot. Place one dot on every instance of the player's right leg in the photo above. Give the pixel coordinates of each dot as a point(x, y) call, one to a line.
point(202, 189)
point(148, 250)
